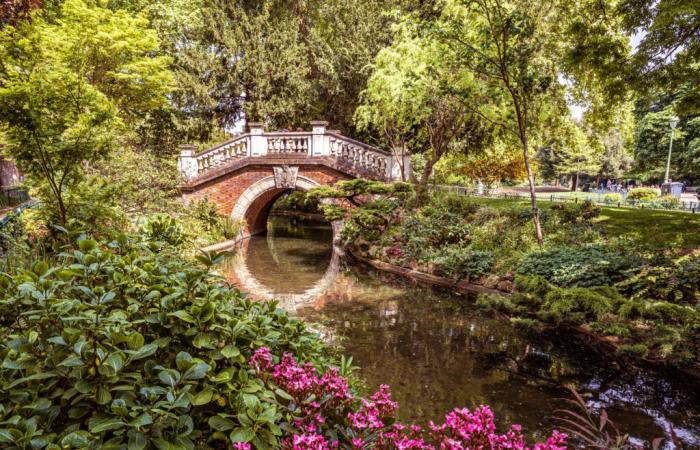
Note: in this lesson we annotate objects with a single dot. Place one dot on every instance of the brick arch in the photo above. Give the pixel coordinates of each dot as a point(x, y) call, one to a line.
point(254, 204)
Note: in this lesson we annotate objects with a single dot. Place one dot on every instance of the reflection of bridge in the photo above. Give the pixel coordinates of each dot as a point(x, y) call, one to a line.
point(245, 175)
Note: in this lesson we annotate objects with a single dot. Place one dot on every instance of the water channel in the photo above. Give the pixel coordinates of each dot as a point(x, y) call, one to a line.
point(437, 351)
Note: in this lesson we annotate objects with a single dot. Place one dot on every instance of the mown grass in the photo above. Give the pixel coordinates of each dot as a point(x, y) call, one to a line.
point(653, 228)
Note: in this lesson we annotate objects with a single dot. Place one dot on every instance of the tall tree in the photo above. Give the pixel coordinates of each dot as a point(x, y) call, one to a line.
point(495, 163)
point(652, 135)
point(66, 91)
point(412, 99)
point(513, 49)
point(275, 61)
point(567, 151)
point(668, 55)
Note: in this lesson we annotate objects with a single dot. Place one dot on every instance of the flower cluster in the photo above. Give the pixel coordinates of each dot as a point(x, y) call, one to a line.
point(374, 412)
point(331, 416)
point(241, 446)
point(261, 359)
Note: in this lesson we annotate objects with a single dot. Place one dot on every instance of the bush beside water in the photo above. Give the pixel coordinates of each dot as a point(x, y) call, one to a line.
point(579, 278)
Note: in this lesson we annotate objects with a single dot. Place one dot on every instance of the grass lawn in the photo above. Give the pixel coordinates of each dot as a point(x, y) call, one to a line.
point(655, 228)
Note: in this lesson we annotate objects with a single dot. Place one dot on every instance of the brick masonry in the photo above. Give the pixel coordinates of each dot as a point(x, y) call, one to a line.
point(226, 188)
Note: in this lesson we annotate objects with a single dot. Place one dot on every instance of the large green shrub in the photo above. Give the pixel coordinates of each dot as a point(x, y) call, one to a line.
point(126, 346)
point(612, 198)
point(656, 329)
point(576, 213)
point(588, 265)
point(643, 193)
point(677, 281)
point(463, 263)
point(164, 228)
point(666, 202)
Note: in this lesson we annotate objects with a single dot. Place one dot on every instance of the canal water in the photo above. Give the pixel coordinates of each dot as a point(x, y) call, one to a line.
point(438, 351)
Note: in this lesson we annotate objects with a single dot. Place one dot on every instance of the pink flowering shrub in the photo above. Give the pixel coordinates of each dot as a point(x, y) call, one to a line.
point(327, 416)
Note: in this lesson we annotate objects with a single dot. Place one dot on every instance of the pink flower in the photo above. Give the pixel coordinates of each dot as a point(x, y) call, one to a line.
point(308, 442)
point(241, 446)
point(261, 359)
point(357, 443)
point(324, 402)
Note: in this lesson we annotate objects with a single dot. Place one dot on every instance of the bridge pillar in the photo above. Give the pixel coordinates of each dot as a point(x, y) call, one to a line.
point(187, 163)
point(320, 144)
point(399, 165)
point(258, 142)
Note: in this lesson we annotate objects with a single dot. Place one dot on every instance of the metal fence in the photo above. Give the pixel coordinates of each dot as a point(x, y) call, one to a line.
point(597, 198)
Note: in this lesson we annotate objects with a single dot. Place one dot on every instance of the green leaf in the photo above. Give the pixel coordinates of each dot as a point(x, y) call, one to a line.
point(141, 421)
point(6, 436)
point(169, 376)
point(183, 360)
point(242, 435)
point(137, 441)
point(221, 423)
point(184, 316)
point(36, 376)
point(77, 439)
point(203, 397)
point(230, 351)
point(71, 361)
point(113, 364)
point(283, 394)
point(40, 268)
point(135, 340)
point(103, 396)
point(143, 352)
point(224, 376)
point(87, 245)
point(202, 340)
point(196, 372)
point(106, 424)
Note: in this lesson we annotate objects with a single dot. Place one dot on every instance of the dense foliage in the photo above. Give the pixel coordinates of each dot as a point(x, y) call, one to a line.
point(127, 344)
point(645, 302)
point(643, 193)
point(66, 92)
point(586, 265)
point(637, 318)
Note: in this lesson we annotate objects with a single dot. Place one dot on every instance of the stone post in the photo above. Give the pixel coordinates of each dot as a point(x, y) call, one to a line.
point(258, 142)
point(187, 163)
point(395, 163)
point(319, 141)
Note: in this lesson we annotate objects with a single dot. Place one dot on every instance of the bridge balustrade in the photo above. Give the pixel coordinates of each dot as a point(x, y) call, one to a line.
point(357, 157)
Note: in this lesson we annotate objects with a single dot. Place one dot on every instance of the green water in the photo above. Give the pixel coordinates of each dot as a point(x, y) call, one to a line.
point(437, 351)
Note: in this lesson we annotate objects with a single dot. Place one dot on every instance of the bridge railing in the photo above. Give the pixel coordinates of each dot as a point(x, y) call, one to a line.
point(319, 142)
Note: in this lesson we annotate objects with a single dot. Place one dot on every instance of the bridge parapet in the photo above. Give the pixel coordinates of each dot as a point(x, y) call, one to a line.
point(353, 155)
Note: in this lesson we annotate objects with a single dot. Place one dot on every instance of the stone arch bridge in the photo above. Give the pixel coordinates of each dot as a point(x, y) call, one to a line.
point(244, 176)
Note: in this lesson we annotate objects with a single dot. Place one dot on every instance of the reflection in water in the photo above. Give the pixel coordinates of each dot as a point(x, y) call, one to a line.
point(294, 263)
point(438, 352)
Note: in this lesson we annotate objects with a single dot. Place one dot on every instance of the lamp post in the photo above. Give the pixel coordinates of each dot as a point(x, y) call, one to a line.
point(673, 122)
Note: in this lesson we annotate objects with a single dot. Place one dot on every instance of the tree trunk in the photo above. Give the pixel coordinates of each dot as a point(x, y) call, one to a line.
point(522, 133)
point(422, 188)
point(533, 194)
point(574, 182)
